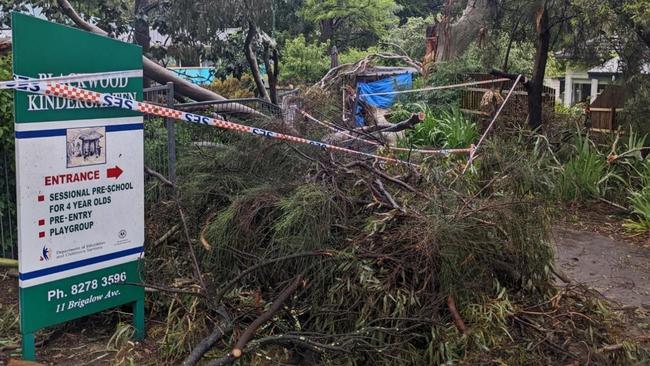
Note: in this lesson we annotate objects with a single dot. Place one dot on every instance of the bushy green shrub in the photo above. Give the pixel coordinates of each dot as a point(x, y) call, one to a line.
point(302, 61)
point(585, 175)
point(446, 128)
point(233, 87)
point(410, 37)
point(640, 202)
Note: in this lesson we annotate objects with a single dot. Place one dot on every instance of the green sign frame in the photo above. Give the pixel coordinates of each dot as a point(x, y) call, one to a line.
point(83, 254)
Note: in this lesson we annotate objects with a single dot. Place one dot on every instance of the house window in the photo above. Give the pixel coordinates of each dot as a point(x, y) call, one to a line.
point(581, 93)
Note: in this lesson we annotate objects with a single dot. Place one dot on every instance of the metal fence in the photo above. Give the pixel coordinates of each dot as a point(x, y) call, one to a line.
point(159, 142)
point(8, 234)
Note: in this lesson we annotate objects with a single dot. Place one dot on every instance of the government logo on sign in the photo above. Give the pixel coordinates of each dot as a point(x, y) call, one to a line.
point(45, 254)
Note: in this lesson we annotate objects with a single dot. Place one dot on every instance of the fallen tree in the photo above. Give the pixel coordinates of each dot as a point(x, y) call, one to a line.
point(312, 258)
point(158, 73)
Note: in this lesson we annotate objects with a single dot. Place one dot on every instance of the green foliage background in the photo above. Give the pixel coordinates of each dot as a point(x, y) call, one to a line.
point(7, 162)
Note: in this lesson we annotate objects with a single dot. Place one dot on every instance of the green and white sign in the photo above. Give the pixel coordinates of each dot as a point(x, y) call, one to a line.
point(80, 180)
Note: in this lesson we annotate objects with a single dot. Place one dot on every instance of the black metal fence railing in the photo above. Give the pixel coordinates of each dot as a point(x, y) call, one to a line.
point(236, 107)
point(159, 141)
point(8, 231)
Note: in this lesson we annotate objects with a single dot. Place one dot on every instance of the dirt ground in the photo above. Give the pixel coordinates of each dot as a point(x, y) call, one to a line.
point(619, 270)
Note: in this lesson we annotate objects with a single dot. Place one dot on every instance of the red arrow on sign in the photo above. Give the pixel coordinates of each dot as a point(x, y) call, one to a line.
point(114, 172)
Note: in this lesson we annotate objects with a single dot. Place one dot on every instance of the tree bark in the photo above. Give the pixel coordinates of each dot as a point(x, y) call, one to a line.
point(141, 26)
point(251, 57)
point(326, 30)
point(454, 39)
point(160, 74)
point(536, 83)
point(272, 70)
point(141, 32)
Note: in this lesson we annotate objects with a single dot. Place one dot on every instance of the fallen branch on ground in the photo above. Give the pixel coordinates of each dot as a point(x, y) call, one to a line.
point(249, 332)
point(204, 346)
point(460, 324)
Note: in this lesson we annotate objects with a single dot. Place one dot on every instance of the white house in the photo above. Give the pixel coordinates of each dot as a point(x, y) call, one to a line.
point(580, 85)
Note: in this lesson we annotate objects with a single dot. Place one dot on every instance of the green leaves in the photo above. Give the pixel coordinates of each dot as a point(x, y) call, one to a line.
point(346, 20)
point(446, 128)
point(302, 61)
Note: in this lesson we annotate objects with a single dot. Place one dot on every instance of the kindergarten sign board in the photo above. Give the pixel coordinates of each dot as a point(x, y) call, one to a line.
point(79, 177)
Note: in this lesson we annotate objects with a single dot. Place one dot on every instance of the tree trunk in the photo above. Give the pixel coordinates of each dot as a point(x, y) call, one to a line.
point(334, 57)
point(272, 69)
point(251, 57)
point(141, 27)
point(536, 83)
point(454, 39)
point(326, 30)
point(141, 32)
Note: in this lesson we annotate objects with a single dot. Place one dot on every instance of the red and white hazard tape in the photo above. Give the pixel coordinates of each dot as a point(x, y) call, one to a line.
point(344, 132)
point(107, 100)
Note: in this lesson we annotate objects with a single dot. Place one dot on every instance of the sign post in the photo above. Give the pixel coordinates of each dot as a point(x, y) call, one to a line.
point(80, 179)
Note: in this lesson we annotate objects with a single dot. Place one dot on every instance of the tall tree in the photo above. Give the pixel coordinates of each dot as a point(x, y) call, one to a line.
point(345, 23)
point(205, 26)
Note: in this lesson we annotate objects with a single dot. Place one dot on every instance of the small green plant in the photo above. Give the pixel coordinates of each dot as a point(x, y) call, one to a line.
point(447, 128)
point(640, 201)
point(456, 130)
point(585, 175)
point(123, 334)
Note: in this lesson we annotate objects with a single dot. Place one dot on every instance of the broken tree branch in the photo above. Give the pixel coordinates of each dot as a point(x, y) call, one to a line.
point(460, 324)
point(249, 332)
point(159, 176)
point(405, 125)
point(166, 235)
point(204, 346)
point(186, 231)
point(148, 286)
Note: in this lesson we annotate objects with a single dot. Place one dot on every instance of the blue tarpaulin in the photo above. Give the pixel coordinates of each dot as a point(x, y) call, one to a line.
point(196, 75)
point(386, 85)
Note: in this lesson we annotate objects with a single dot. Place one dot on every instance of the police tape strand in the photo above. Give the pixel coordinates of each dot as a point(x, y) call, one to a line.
point(36, 86)
point(344, 132)
point(432, 88)
point(73, 78)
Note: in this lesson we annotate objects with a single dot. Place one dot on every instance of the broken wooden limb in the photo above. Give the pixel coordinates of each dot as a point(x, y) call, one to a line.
point(166, 235)
point(225, 288)
point(186, 231)
point(204, 346)
point(249, 332)
point(202, 238)
point(155, 288)
point(455, 315)
point(382, 133)
point(159, 176)
point(380, 186)
point(406, 124)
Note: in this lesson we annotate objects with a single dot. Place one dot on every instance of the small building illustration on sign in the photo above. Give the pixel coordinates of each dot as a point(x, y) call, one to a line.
point(86, 146)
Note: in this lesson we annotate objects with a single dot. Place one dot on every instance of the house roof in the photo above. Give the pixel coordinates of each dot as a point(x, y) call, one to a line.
point(614, 66)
